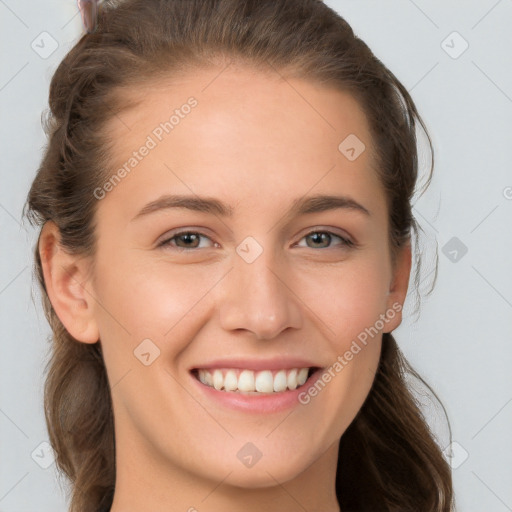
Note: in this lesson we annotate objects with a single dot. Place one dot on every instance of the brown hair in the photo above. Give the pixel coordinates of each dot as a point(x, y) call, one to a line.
point(388, 458)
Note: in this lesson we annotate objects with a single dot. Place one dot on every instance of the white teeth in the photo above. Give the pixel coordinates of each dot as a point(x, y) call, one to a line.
point(264, 381)
point(280, 381)
point(246, 381)
point(218, 379)
point(231, 381)
point(302, 376)
point(292, 379)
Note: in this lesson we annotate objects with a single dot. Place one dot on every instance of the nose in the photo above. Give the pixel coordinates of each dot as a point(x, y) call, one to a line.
point(258, 298)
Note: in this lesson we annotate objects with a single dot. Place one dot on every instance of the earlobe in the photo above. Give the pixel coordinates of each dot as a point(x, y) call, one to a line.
point(398, 287)
point(66, 281)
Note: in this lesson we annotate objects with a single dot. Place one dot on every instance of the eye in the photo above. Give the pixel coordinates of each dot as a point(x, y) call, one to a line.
point(192, 239)
point(320, 238)
point(187, 239)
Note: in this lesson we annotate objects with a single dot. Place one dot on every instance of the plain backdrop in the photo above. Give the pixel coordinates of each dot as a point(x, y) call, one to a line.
point(454, 58)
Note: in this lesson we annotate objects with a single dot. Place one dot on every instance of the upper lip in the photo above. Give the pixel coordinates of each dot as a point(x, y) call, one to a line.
point(277, 363)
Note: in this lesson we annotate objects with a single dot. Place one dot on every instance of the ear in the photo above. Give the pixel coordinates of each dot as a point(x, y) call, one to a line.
point(67, 284)
point(398, 287)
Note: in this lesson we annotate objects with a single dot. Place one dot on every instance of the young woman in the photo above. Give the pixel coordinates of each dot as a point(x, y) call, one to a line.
point(225, 250)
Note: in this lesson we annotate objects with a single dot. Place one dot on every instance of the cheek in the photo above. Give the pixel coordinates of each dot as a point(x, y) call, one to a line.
point(351, 302)
point(148, 299)
point(347, 300)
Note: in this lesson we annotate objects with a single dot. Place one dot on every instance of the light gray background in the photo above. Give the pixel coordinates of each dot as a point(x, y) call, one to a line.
point(461, 342)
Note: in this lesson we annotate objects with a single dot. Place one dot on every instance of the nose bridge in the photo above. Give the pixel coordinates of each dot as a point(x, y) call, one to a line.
point(258, 298)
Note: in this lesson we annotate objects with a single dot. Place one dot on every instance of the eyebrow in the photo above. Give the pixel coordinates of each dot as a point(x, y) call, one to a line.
point(301, 206)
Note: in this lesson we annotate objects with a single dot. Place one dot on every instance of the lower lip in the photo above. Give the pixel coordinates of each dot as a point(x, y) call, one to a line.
point(257, 403)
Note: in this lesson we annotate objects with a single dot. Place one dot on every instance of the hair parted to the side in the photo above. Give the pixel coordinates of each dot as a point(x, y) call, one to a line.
point(388, 458)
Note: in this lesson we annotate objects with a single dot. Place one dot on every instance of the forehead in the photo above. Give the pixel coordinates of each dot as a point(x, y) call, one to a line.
point(241, 100)
point(248, 128)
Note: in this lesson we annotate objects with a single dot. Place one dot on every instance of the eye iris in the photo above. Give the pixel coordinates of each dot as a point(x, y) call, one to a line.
point(187, 237)
point(317, 237)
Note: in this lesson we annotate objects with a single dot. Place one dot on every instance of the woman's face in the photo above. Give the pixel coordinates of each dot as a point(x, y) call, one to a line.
point(263, 281)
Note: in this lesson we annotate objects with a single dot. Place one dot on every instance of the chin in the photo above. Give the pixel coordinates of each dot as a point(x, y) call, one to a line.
point(267, 471)
point(263, 476)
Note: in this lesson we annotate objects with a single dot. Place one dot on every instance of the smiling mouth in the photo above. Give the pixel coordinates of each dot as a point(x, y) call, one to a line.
point(237, 380)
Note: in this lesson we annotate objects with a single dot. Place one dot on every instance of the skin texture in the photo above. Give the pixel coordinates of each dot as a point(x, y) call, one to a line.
point(256, 142)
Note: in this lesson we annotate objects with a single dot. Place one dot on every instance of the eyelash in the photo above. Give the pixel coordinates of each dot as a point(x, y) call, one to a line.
point(166, 243)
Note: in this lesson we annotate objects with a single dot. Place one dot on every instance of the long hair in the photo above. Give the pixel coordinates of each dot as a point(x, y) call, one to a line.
point(389, 459)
